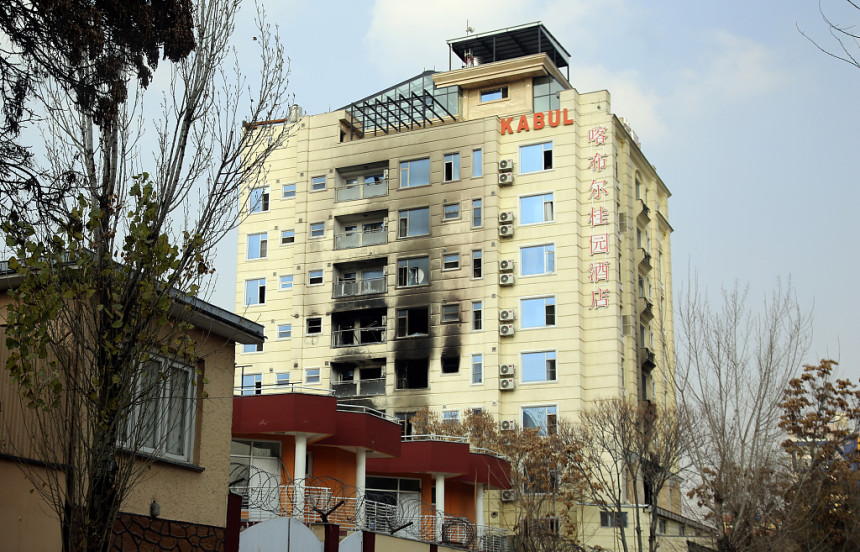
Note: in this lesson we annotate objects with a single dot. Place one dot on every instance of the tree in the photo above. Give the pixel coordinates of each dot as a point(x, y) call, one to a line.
point(821, 416)
point(546, 492)
point(107, 252)
point(622, 446)
point(731, 367)
point(845, 36)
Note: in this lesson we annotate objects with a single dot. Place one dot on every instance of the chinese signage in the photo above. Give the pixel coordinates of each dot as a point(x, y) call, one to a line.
point(598, 220)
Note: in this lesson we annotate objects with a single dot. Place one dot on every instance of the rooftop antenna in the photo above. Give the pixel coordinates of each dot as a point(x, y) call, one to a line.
point(469, 30)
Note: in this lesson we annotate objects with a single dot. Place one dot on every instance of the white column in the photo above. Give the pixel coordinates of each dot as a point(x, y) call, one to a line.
point(440, 504)
point(360, 485)
point(299, 469)
point(479, 510)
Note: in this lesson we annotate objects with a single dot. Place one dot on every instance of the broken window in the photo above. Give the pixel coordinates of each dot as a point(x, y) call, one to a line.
point(411, 373)
point(414, 321)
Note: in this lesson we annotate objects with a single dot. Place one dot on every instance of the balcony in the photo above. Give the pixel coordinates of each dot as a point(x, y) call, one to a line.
point(646, 312)
point(644, 261)
point(357, 287)
point(359, 388)
point(644, 214)
point(647, 360)
point(372, 234)
point(362, 188)
point(355, 337)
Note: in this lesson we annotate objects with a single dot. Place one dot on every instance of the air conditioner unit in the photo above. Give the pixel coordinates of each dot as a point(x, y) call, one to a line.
point(506, 164)
point(507, 370)
point(506, 265)
point(506, 178)
point(507, 314)
point(506, 230)
point(508, 425)
point(506, 384)
point(506, 329)
point(506, 279)
point(508, 495)
point(506, 216)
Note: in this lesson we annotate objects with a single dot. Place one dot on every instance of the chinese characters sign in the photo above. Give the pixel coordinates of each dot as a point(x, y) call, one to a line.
point(598, 218)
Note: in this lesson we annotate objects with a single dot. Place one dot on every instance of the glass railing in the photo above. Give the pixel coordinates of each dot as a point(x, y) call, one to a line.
point(368, 286)
point(361, 239)
point(357, 336)
point(361, 190)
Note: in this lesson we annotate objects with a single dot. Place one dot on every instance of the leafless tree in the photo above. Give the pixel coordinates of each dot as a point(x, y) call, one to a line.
point(845, 36)
point(108, 258)
point(733, 362)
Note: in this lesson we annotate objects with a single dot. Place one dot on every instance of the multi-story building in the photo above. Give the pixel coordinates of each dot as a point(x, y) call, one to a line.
point(482, 238)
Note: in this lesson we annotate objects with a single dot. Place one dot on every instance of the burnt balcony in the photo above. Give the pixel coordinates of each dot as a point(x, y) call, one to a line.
point(359, 388)
point(359, 286)
point(351, 238)
point(357, 328)
point(358, 379)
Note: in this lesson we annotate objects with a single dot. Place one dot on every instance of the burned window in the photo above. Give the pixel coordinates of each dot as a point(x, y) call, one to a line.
point(450, 364)
point(414, 321)
point(411, 373)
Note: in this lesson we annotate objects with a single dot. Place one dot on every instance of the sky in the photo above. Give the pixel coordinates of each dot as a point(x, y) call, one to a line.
point(752, 128)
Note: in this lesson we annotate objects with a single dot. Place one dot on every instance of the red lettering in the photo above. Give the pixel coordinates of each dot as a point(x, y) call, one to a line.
point(566, 120)
point(554, 122)
point(524, 124)
point(538, 122)
point(506, 125)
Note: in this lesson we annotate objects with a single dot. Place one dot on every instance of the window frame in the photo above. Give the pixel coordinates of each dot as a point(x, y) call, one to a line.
point(547, 259)
point(527, 148)
point(315, 183)
point(261, 296)
point(285, 282)
point(547, 369)
point(260, 249)
point(456, 215)
point(289, 331)
point(478, 316)
point(404, 215)
point(450, 262)
point(449, 313)
point(477, 269)
point(545, 426)
point(548, 301)
point(479, 373)
point(316, 230)
point(502, 91)
point(452, 161)
point(312, 276)
point(264, 201)
point(406, 167)
point(308, 325)
point(477, 163)
point(279, 381)
point(477, 213)
point(286, 193)
point(401, 283)
point(252, 348)
point(290, 235)
point(522, 218)
point(308, 373)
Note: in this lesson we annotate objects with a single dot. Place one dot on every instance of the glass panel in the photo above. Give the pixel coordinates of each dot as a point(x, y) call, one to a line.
point(178, 404)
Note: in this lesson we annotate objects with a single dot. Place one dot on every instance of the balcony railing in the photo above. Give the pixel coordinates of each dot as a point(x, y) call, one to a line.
point(357, 337)
point(361, 190)
point(359, 388)
point(361, 239)
point(351, 288)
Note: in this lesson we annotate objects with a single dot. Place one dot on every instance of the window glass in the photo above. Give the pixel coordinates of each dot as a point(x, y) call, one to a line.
point(318, 183)
point(414, 222)
point(257, 246)
point(285, 331)
point(451, 313)
point(536, 208)
point(314, 326)
point(255, 292)
point(317, 229)
point(536, 157)
point(451, 167)
point(477, 263)
point(315, 277)
point(451, 211)
point(539, 259)
point(413, 272)
point(312, 375)
point(545, 91)
point(477, 315)
point(477, 368)
point(494, 94)
point(477, 163)
point(542, 418)
point(415, 173)
point(450, 416)
point(539, 366)
point(259, 200)
point(451, 261)
point(477, 213)
point(288, 237)
point(283, 378)
point(252, 348)
point(286, 281)
point(252, 384)
point(288, 191)
point(538, 312)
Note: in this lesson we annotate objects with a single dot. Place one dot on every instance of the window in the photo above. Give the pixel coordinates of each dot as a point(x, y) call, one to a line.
point(451, 167)
point(285, 331)
point(537, 312)
point(494, 94)
point(477, 163)
point(312, 375)
point(250, 458)
point(545, 91)
point(450, 416)
point(413, 322)
point(252, 384)
point(415, 173)
point(451, 261)
point(477, 213)
point(288, 191)
point(162, 421)
point(413, 272)
point(681, 530)
point(542, 418)
point(288, 237)
point(258, 202)
point(257, 246)
point(285, 282)
point(477, 369)
point(451, 211)
point(450, 364)
point(613, 519)
point(477, 315)
point(252, 348)
point(638, 188)
point(314, 326)
point(411, 374)
point(538, 259)
point(317, 229)
point(538, 366)
point(477, 264)
point(318, 183)
point(536, 157)
point(535, 209)
point(414, 222)
point(451, 313)
point(315, 277)
point(255, 292)
point(282, 378)
point(661, 526)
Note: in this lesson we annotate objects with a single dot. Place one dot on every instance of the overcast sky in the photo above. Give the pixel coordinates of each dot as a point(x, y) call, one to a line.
point(753, 129)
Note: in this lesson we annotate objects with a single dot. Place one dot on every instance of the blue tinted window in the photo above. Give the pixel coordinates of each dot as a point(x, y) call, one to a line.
point(539, 259)
point(538, 312)
point(255, 292)
point(477, 163)
point(536, 208)
point(415, 173)
point(539, 366)
point(536, 157)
